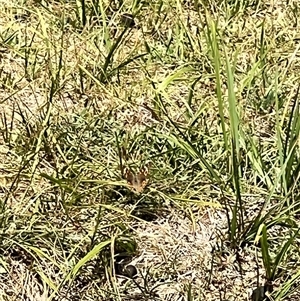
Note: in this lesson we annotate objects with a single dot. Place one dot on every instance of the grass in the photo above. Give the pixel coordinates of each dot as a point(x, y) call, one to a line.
point(204, 94)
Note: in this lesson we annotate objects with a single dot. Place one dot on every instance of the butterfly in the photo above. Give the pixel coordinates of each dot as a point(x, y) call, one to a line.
point(138, 181)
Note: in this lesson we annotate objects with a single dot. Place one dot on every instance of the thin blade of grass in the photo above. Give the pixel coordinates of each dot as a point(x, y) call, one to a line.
point(237, 223)
point(213, 41)
point(265, 253)
point(89, 256)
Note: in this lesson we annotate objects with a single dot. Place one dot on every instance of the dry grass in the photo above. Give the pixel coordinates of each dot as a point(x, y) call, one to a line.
point(84, 94)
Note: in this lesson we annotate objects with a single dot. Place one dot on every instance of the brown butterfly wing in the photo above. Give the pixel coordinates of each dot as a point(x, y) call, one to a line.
point(138, 181)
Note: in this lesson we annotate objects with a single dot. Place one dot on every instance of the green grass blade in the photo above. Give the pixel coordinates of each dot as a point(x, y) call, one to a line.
point(265, 253)
point(213, 40)
point(89, 256)
point(280, 256)
point(238, 215)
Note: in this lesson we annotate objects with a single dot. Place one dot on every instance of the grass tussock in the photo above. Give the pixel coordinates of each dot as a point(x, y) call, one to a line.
point(149, 150)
